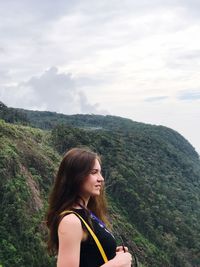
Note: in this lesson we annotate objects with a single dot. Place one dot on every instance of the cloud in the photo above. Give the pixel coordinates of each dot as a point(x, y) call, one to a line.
point(125, 57)
point(185, 59)
point(189, 55)
point(156, 98)
point(4, 76)
point(190, 95)
point(2, 50)
point(52, 91)
point(40, 10)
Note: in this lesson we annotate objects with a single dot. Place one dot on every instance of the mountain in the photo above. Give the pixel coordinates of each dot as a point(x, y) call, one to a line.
point(152, 176)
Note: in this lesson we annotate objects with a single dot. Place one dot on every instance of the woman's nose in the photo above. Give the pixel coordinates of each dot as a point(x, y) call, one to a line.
point(100, 177)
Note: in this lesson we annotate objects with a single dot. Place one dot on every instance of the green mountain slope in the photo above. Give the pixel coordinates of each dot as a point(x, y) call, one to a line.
point(27, 166)
point(152, 179)
point(153, 175)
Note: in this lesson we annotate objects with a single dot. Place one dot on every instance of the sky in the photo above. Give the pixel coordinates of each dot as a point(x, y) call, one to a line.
point(134, 59)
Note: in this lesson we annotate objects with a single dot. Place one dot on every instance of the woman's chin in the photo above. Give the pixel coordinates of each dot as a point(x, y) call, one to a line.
point(96, 193)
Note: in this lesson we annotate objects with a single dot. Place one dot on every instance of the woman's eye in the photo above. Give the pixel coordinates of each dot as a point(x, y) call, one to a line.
point(95, 171)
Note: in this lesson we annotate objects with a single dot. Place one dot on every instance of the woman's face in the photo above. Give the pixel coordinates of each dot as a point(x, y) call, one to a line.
point(93, 182)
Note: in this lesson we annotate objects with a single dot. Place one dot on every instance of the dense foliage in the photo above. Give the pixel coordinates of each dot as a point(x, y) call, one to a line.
point(152, 179)
point(26, 169)
point(12, 115)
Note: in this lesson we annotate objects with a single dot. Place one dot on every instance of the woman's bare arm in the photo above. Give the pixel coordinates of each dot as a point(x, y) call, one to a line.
point(70, 235)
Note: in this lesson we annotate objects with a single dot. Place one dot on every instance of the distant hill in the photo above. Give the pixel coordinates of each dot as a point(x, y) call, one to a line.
point(152, 179)
point(12, 115)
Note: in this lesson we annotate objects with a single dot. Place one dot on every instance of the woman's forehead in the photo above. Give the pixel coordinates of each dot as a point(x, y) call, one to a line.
point(96, 165)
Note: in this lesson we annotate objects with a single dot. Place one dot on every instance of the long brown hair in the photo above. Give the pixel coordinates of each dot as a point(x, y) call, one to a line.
point(74, 168)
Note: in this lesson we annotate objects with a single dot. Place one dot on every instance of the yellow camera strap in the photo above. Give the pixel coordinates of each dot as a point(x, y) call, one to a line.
point(101, 250)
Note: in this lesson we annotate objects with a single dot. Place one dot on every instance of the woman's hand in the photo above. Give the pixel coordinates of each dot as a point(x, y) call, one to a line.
point(121, 249)
point(122, 259)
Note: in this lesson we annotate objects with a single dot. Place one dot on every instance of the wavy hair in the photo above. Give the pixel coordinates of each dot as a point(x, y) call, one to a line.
point(74, 168)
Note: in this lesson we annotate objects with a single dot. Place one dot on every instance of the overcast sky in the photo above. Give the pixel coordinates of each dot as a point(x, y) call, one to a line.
point(135, 59)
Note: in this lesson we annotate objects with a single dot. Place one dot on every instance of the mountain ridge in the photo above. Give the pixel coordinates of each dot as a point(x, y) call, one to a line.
point(152, 180)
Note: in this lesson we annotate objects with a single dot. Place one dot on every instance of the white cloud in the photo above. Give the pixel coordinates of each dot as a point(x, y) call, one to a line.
point(189, 95)
point(52, 91)
point(137, 59)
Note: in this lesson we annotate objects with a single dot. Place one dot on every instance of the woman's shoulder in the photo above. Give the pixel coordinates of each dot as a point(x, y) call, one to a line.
point(69, 222)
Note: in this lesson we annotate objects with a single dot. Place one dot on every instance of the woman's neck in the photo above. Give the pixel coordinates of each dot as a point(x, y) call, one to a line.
point(81, 202)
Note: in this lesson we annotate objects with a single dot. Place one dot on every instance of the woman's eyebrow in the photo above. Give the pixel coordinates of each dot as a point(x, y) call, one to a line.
point(94, 169)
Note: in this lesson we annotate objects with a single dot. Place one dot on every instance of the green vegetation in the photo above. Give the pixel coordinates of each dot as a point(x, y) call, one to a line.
point(22, 195)
point(152, 180)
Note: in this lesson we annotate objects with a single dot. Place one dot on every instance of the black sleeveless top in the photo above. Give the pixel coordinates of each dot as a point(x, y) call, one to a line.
point(89, 254)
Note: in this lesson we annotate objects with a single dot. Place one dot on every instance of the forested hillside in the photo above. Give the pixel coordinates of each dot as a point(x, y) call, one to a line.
point(152, 179)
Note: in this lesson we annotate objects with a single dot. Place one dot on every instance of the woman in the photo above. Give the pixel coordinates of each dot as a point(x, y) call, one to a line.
point(79, 187)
